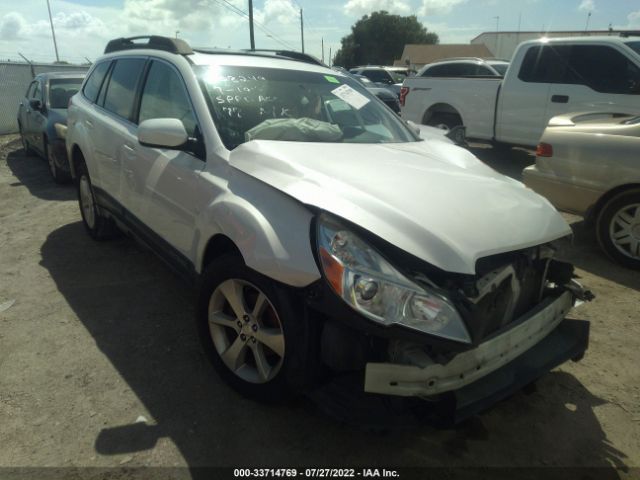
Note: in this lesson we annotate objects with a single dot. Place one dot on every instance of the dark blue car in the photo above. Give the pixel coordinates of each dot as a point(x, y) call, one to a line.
point(42, 119)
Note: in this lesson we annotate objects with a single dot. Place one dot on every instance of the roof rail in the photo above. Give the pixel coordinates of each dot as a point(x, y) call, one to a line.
point(288, 54)
point(302, 57)
point(154, 42)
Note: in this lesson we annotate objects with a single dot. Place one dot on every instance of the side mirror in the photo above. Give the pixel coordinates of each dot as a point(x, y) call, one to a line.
point(414, 127)
point(35, 104)
point(162, 133)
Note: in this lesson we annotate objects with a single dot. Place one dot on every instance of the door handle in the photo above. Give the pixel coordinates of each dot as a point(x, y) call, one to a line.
point(88, 123)
point(560, 98)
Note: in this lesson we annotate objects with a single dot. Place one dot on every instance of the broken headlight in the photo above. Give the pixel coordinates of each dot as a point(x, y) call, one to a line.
point(373, 287)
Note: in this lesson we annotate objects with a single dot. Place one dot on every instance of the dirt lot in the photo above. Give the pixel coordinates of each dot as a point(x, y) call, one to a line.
point(100, 365)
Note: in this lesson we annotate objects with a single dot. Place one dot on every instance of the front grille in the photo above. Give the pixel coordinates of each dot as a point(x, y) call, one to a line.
point(506, 292)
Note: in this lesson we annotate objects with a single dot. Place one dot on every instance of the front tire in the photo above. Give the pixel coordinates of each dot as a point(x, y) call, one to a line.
point(97, 226)
point(618, 228)
point(251, 330)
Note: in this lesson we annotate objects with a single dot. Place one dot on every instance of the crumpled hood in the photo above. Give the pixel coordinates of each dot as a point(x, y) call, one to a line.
point(432, 199)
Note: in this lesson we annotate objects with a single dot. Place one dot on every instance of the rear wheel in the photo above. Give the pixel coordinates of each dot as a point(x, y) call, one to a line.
point(618, 228)
point(98, 226)
point(444, 121)
point(25, 144)
point(58, 175)
point(251, 331)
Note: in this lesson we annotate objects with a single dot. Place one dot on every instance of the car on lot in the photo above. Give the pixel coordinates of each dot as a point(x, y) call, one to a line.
point(465, 67)
point(42, 116)
point(386, 95)
point(325, 237)
point(546, 77)
point(382, 76)
point(587, 164)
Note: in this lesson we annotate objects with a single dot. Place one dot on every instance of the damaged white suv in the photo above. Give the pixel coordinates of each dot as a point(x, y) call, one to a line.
point(325, 236)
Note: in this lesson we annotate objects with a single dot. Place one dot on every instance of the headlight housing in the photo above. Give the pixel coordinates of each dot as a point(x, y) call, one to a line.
point(373, 287)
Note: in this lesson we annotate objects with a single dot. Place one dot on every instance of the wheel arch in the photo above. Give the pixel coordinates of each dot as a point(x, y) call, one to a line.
point(262, 235)
point(216, 247)
point(440, 107)
point(594, 210)
point(75, 157)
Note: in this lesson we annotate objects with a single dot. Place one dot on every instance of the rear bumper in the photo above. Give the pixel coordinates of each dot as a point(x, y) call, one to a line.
point(563, 194)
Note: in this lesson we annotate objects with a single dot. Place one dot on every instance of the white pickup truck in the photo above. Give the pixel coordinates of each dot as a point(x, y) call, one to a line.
point(547, 77)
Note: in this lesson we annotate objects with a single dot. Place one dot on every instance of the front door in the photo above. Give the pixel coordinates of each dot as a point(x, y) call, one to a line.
point(160, 186)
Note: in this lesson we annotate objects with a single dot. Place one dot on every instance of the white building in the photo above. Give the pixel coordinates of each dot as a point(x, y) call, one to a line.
point(503, 44)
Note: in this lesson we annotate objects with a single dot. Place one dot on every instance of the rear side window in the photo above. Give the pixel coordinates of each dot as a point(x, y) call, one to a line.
point(92, 85)
point(122, 86)
point(545, 64)
point(164, 96)
point(437, 71)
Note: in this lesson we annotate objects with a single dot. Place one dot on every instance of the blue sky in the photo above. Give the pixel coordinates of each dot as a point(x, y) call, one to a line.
point(84, 26)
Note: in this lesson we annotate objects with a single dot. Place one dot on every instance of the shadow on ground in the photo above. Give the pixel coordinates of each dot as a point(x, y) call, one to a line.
point(32, 172)
point(141, 317)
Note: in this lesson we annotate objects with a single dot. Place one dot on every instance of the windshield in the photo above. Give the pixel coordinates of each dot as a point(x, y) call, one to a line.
point(61, 90)
point(635, 46)
point(250, 103)
point(501, 68)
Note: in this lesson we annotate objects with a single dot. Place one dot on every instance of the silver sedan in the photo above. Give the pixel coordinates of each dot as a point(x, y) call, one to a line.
point(588, 164)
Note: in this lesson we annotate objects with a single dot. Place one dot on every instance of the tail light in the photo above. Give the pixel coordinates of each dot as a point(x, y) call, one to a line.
point(544, 150)
point(404, 91)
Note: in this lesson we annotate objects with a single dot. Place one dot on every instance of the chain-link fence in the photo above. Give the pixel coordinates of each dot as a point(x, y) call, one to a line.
point(14, 80)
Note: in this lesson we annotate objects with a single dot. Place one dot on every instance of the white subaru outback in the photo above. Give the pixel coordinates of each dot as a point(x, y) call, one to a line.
point(326, 237)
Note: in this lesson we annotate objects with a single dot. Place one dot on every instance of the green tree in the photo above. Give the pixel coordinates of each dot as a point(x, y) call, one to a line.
point(379, 39)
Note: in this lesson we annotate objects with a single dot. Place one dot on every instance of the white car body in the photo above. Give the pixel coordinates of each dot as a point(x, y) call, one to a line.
point(432, 201)
point(511, 110)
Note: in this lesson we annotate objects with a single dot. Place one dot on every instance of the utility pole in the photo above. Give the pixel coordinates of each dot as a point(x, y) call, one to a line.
point(53, 32)
point(322, 40)
point(330, 56)
point(253, 43)
point(586, 27)
point(302, 30)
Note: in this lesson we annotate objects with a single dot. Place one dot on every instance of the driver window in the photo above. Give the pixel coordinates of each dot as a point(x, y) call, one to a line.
point(164, 96)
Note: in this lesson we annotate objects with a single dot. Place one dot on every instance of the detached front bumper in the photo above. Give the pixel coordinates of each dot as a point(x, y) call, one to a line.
point(540, 341)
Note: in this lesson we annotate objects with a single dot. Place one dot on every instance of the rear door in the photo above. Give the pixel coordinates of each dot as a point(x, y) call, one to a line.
point(159, 184)
point(113, 125)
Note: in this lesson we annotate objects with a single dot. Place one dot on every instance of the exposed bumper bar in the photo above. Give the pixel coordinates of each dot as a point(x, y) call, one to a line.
point(496, 353)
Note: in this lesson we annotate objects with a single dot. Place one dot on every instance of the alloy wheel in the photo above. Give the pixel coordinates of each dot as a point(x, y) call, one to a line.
point(86, 201)
point(624, 230)
point(246, 331)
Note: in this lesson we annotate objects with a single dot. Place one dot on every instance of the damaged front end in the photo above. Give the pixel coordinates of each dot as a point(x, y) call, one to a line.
point(467, 339)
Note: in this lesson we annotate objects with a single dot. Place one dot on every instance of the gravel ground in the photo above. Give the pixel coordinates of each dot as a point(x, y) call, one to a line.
point(100, 365)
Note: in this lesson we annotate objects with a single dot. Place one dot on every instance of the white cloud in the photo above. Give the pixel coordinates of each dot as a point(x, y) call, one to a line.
point(362, 7)
point(587, 6)
point(280, 11)
point(437, 7)
point(634, 19)
point(12, 26)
